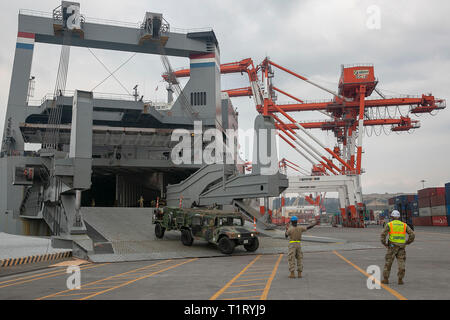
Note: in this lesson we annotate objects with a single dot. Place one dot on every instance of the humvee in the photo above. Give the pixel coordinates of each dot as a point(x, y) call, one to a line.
point(224, 229)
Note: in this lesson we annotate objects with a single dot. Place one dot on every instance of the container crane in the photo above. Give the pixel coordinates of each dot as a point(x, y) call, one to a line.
point(349, 111)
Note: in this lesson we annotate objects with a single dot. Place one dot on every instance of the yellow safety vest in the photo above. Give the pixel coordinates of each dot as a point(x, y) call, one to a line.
point(397, 231)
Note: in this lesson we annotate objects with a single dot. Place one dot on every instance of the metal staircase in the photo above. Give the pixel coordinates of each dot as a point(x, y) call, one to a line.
point(31, 203)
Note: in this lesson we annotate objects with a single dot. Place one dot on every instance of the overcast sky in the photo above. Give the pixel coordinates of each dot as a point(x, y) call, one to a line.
point(410, 51)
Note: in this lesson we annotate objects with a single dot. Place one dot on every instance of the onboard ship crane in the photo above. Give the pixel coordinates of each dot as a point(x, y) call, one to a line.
point(349, 111)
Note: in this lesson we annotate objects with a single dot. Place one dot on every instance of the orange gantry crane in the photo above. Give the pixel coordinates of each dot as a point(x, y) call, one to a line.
point(349, 112)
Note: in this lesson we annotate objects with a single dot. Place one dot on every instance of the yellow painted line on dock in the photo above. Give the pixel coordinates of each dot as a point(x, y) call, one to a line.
point(240, 291)
point(260, 272)
point(248, 277)
point(225, 287)
point(247, 280)
point(111, 279)
point(387, 288)
point(117, 281)
point(269, 283)
point(242, 298)
point(140, 278)
point(248, 285)
point(46, 275)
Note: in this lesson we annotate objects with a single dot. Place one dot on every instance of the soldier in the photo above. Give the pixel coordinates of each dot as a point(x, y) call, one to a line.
point(141, 202)
point(396, 246)
point(295, 250)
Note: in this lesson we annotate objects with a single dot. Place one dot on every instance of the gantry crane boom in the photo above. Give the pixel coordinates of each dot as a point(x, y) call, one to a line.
point(350, 112)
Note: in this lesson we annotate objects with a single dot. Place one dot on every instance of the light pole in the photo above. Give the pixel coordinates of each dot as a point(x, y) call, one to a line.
point(423, 183)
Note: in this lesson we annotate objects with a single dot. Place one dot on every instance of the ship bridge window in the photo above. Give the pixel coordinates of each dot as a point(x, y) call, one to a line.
point(198, 98)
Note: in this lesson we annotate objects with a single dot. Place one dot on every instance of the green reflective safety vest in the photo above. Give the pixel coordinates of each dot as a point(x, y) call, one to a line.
point(397, 231)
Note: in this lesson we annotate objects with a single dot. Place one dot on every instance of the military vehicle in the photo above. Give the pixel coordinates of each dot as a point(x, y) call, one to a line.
point(224, 229)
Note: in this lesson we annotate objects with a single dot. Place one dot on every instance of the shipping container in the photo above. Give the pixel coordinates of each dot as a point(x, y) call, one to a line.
point(425, 193)
point(447, 193)
point(438, 211)
point(401, 199)
point(425, 212)
point(438, 192)
point(439, 221)
point(438, 199)
point(448, 209)
point(424, 202)
point(422, 221)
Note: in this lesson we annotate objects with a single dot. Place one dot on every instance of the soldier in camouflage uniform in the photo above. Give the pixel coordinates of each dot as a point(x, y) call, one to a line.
point(295, 250)
point(396, 246)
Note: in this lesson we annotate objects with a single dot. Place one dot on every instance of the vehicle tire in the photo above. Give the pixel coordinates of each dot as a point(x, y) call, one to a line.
point(226, 246)
point(159, 231)
point(252, 246)
point(186, 237)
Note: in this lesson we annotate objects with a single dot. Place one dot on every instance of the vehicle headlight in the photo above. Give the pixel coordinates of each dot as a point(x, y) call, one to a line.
point(239, 235)
point(252, 235)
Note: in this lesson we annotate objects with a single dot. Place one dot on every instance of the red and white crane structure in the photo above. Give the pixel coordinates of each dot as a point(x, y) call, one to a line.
point(349, 112)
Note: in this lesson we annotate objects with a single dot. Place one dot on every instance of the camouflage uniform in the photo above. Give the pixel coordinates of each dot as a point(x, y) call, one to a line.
point(395, 250)
point(295, 250)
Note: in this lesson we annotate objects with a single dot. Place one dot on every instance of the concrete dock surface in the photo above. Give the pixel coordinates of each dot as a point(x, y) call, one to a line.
point(333, 271)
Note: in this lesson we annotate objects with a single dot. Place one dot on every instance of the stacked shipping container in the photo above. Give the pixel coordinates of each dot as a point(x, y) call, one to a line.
point(432, 207)
point(447, 201)
point(407, 205)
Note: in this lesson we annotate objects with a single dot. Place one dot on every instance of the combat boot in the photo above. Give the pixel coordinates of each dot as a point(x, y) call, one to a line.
point(292, 275)
point(299, 274)
point(385, 281)
point(400, 281)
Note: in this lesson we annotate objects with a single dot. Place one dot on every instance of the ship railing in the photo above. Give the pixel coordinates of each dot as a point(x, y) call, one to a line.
point(190, 30)
point(36, 13)
point(135, 25)
point(352, 65)
point(97, 95)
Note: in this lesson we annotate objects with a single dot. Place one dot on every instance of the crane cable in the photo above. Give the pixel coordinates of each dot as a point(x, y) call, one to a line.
point(51, 136)
point(111, 74)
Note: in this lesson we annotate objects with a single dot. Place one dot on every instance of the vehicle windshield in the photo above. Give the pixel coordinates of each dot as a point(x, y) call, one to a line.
point(229, 221)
